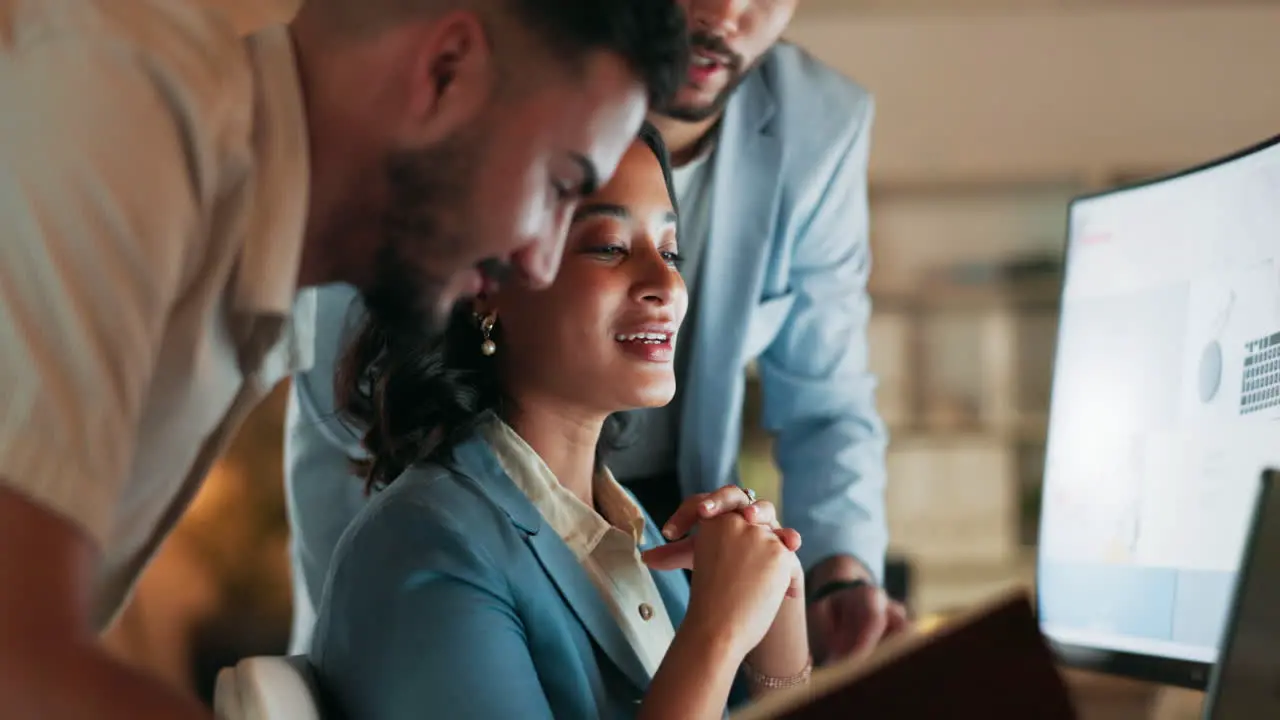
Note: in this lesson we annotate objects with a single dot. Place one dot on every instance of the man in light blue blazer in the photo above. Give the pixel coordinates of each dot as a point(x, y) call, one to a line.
point(772, 150)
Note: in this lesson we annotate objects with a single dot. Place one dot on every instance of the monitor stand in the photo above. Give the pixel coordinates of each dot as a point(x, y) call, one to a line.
point(1245, 682)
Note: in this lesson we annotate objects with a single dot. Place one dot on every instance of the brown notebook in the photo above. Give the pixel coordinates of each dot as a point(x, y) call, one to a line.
point(991, 663)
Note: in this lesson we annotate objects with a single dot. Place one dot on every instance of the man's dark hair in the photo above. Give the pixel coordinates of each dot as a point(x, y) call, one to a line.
point(416, 395)
point(650, 35)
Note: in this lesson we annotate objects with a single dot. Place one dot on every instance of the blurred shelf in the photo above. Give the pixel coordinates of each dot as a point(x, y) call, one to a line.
point(1036, 293)
point(946, 588)
point(1031, 428)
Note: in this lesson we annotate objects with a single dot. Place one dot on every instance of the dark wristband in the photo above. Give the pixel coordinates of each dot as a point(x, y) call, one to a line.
point(835, 586)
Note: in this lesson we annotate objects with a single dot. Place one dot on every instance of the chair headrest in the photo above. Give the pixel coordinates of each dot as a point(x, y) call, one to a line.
point(267, 688)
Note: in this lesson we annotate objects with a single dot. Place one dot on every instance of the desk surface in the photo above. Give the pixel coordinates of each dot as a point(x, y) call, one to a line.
point(1101, 697)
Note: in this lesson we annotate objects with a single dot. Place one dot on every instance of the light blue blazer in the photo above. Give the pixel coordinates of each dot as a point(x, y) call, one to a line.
point(451, 597)
point(784, 284)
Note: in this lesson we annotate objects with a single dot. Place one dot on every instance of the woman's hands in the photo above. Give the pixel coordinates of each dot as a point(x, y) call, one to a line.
point(705, 506)
point(728, 499)
point(744, 564)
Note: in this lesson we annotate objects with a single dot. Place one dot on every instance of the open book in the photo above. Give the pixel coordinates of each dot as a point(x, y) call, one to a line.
point(991, 662)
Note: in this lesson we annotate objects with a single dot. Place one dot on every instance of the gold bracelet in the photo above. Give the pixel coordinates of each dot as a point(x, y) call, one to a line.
point(769, 682)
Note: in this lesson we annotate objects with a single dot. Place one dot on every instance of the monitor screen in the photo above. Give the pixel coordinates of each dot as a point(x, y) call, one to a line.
point(1165, 410)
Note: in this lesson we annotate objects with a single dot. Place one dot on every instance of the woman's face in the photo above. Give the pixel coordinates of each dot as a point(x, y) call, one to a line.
point(602, 337)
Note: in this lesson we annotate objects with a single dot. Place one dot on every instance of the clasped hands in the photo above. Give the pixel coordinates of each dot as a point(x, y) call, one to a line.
point(847, 623)
point(680, 552)
point(745, 568)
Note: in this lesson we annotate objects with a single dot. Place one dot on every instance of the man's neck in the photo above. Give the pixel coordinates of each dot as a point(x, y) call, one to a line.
point(346, 184)
point(684, 139)
point(564, 438)
point(339, 231)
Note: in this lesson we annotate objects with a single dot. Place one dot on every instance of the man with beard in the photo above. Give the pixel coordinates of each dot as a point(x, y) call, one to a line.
point(167, 188)
point(771, 148)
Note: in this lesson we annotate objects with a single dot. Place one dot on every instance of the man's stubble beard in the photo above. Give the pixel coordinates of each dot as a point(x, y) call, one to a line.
point(738, 72)
point(424, 236)
point(696, 113)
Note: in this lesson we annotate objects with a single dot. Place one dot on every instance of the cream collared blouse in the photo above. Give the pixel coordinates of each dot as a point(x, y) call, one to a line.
point(605, 542)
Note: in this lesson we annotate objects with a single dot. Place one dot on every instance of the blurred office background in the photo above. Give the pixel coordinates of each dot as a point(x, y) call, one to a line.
point(992, 114)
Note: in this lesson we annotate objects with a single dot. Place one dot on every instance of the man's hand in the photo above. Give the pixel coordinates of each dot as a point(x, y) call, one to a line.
point(850, 622)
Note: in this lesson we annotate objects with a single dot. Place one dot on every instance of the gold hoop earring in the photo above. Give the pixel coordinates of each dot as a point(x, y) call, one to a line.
point(488, 347)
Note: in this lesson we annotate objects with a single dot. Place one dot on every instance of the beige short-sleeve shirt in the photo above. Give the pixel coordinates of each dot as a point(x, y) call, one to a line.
point(153, 191)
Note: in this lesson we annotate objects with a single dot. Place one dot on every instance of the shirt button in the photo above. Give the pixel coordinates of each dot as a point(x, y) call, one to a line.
point(646, 611)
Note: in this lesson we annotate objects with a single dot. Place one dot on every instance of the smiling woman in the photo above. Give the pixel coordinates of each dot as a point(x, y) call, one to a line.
point(501, 550)
point(619, 280)
point(602, 337)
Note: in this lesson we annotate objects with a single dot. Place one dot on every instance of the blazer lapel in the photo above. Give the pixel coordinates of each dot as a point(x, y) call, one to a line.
point(581, 594)
point(673, 585)
point(475, 460)
point(743, 218)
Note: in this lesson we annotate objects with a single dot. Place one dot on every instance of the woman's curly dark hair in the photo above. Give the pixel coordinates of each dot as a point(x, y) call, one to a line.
point(417, 395)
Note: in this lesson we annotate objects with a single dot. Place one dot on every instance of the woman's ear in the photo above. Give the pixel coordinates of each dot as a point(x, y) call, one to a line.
point(483, 305)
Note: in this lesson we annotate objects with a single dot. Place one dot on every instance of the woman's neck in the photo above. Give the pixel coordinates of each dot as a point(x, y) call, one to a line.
point(565, 439)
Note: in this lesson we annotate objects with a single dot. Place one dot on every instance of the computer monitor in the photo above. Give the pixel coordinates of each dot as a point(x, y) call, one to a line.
point(1245, 682)
point(1164, 411)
